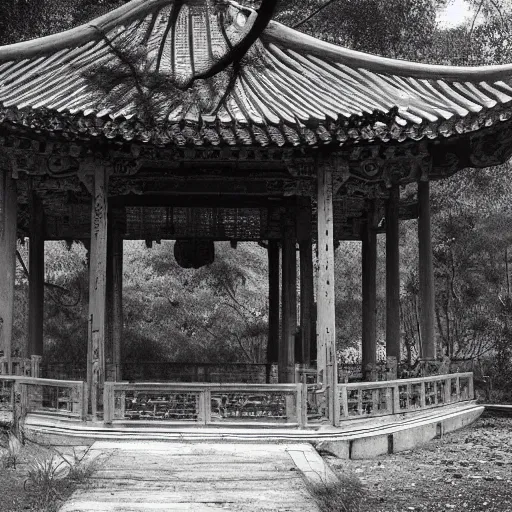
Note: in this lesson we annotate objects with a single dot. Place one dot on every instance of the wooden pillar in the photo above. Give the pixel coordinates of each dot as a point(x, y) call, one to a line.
point(273, 302)
point(8, 235)
point(36, 277)
point(289, 303)
point(115, 300)
point(326, 321)
point(393, 274)
point(97, 290)
point(426, 274)
point(369, 284)
point(304, 219)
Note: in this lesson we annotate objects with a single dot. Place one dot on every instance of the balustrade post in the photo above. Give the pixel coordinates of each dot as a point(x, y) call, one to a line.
point(337, 400)
point(360, 402)
point(396, 399)
point(207, 406)
point(302, 404)
point(448, 390)
point(423, 401)
point(344, 401)
point(36, 366)
point(108, 403)
point(457, 389)
point(471, 390)
point(201, 407)
point(389, 400)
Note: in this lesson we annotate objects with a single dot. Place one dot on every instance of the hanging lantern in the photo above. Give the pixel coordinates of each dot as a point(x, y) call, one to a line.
point(194, 253)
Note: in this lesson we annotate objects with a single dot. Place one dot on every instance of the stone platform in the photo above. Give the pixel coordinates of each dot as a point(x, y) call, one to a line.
point(354, 439)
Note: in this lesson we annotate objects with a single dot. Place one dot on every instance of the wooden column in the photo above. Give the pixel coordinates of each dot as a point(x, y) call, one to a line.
point(393, 274)
point(36, 277)
point(8, 229)
point(97, 290)
point(304, 219)
point(426, 274)
point(273, 302)
point(115, 300)
point(289, 303)
point(326, 321)
point(369, 282)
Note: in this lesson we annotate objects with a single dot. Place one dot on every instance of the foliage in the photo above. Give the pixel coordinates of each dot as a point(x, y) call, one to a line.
point(216, 313)
point(395, 28)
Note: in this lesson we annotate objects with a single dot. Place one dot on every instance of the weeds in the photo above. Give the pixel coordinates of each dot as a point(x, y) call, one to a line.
point(42, 479)
point(346, 495)
point(11, 448)
point(78, 470)
point(46, 477)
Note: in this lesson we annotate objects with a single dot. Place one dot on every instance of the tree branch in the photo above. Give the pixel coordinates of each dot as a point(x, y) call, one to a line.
point(314, 13)
point(237, 52)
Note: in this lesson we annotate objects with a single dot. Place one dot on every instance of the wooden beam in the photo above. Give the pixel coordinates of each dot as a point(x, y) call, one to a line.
point(8, 227)
point(289, 303)
point(426, 274)
point(326, 319)
point(97, 290)
point(393, 274)
point(304, 236)
point(273, 301)
point(36, 277)
point(369, 284)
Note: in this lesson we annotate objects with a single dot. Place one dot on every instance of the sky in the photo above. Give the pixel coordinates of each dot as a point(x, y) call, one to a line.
point(454, 14)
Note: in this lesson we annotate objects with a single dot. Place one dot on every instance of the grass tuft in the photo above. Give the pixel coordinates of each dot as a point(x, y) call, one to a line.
point(346, 495)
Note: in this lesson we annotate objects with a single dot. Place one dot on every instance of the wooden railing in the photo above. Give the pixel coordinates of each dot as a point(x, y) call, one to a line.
point(205, 404)
point(20, 396)
point(28, 367)
point(370, 399)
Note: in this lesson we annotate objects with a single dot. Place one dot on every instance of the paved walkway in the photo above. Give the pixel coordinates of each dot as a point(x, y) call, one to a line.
point(156, 476)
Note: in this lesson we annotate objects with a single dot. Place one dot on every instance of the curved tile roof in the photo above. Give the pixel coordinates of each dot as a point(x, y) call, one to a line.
point(129, 75)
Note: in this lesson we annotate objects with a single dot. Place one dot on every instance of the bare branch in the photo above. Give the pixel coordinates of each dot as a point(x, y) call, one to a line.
point(314, 13)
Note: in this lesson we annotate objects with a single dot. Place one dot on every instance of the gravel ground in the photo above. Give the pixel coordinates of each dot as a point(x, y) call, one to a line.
point(467, 470)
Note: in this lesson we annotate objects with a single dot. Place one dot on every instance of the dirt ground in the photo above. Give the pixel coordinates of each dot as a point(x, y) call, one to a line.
point(468, 470)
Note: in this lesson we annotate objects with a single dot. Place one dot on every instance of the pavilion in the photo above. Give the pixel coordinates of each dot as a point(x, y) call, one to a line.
point(105, 135)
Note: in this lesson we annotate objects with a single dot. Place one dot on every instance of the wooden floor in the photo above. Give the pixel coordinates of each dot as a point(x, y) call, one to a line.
point(147, 476)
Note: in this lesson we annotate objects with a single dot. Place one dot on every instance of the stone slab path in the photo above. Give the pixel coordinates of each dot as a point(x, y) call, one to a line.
point(200, 477)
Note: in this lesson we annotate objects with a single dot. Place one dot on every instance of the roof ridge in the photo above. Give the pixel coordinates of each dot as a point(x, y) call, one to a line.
point(278, 33)
point(82, 34)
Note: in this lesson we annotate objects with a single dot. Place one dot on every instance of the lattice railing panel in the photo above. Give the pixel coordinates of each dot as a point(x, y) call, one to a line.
point(154, 406)
point(368, 399)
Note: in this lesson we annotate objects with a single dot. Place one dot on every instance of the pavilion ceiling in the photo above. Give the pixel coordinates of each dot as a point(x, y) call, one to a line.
point(128, 76)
